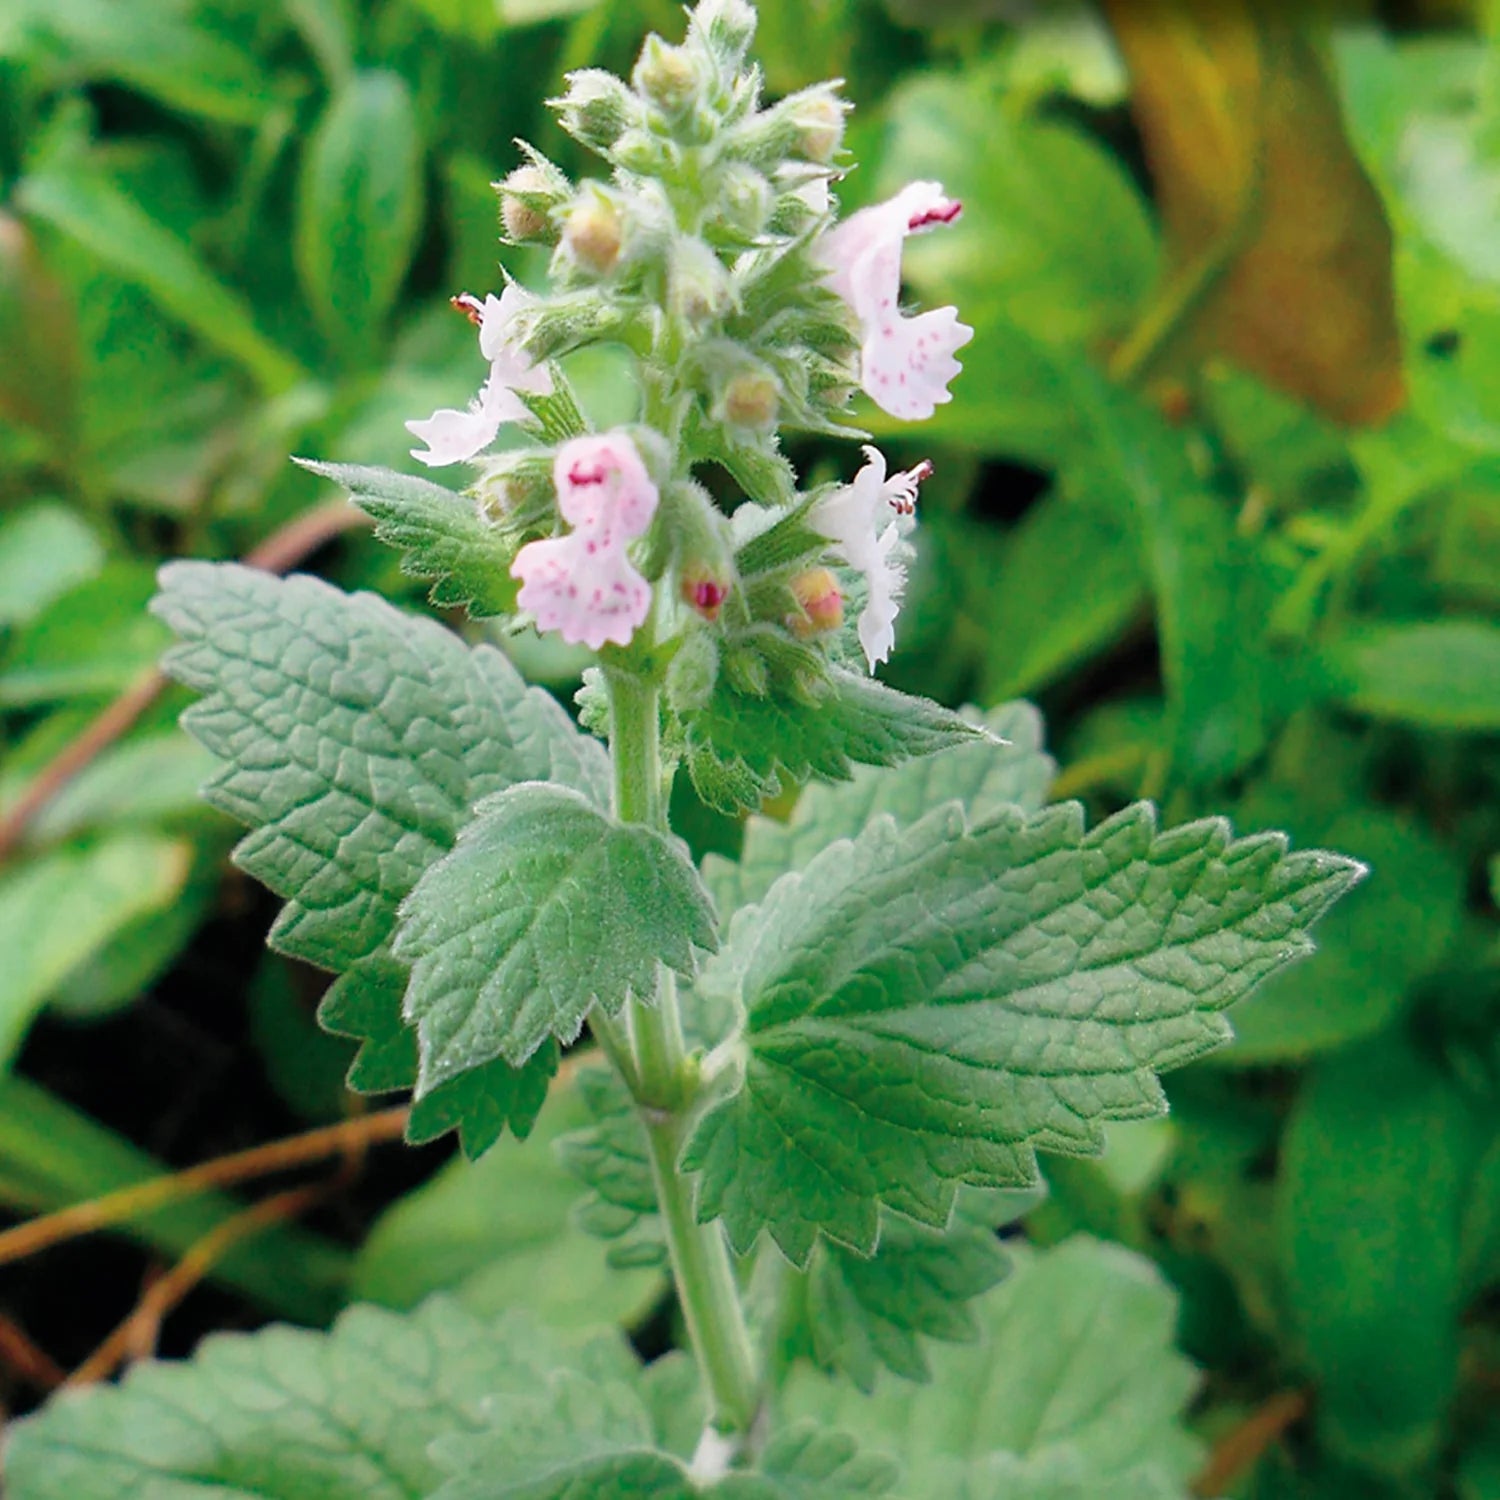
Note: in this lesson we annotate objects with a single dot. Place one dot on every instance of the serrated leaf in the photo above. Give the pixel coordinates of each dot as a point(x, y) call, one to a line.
point(926, 1008)
point(803, 1462)
point(1075, 1375)
point(501, 1235)
point(287, 1414)
point(573, 1437)
point(871, 1313)
point(739, 747)
point(364, 1004)
point(358, 739)
point(984, 775)
point(611, 1158)
point(360, 207)
point(544, 908)
point(440, 533)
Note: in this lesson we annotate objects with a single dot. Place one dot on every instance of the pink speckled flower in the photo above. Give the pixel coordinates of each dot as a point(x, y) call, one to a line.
point(452, 436)
point(906, 363)
point(866, 521)
point(583, 585)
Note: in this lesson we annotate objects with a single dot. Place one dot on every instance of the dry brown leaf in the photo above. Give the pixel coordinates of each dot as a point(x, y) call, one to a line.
point(1270, 220)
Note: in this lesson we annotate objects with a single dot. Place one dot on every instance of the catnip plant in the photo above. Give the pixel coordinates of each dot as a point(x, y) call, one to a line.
point(824, 1069)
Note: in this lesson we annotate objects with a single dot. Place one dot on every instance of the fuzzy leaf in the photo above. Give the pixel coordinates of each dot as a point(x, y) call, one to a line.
point(287, 1414)
point(1075, 1388)
point(739, 747)
point(545, 907)
point(869, 1313)
point(582, 1438)
point(983, 775)
point(572, 1437)
point(926, 1008)
point(804, 1462)
point(610, 1158)
point(365, 1004)
point(358, 739)
point(440, 533)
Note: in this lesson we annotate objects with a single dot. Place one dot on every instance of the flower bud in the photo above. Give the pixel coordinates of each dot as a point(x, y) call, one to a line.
point(820, 601)
point(693, 672)
point(698, 285)
point(704, 593)
point(818, 115)
point(750, 399)
point(745, 199)
point(597, 109)
point(724, 29)
point(668, 76)
point(526, 197)
point(594, 233)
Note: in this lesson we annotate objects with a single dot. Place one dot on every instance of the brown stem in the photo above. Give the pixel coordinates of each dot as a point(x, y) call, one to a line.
point(1240, 1449)
point(137, 1336)
point(280, 551)
point(144, 1197)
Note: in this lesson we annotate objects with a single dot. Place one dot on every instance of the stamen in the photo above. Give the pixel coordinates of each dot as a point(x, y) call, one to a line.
point(470, 306)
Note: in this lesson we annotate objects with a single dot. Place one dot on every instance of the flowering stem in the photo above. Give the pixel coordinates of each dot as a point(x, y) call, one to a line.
point(663, 1084)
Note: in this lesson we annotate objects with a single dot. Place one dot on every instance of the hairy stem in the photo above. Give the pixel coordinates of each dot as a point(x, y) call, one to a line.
point(663, 1085)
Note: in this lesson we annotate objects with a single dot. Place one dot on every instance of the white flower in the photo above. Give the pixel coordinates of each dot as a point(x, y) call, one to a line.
point(906, 363)
point(866, 522)
point(583, 585)
point(452, 436)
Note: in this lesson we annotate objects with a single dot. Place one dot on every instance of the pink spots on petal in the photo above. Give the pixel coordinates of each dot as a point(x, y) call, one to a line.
point(944, 212)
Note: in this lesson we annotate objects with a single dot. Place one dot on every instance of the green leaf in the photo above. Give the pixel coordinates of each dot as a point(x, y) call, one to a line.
point(925, 1008)
point(287, 1414)
point(39, 381)
point(545, 908)
point(802, 1462)
point(1437, 674)
point(90, 642)
point(865, 1314)
point(984, 775)
point(57, 910)
point(360, 208)
point(610, 1157)
point(1379, 1140)
point(87, 206)
point(45, 550)
point(358, 739)
point(440, 533)
point(364, 1003)
point(1073, 582)
point(1371, 952)
point(500, 1234)
point(569, 1438)
point(739, 747)
point(1075, 1375)
point(589, 1437)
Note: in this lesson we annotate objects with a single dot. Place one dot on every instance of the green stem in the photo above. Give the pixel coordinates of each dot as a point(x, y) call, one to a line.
point(663, 1085)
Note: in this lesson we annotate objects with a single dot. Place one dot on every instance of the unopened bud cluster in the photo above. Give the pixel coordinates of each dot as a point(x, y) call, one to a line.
point(710, 248)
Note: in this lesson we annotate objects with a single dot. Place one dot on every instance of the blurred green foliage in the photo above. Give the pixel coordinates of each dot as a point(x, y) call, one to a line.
point(1220, 489)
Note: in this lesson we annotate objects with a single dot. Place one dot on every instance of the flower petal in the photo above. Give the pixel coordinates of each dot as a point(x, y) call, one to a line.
point(908, 363)
point(587, 597)
point(452, 436)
